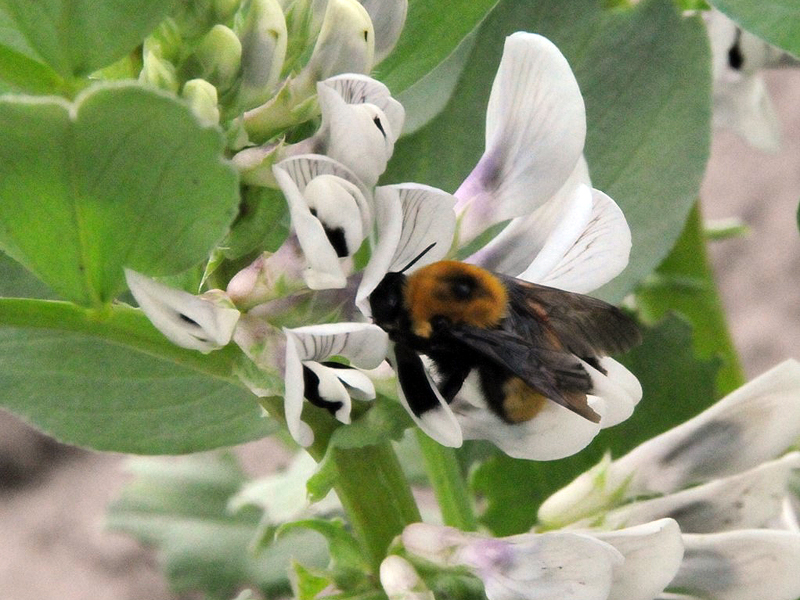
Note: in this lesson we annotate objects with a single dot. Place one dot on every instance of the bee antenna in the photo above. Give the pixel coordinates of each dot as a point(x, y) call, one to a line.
point(415, 259)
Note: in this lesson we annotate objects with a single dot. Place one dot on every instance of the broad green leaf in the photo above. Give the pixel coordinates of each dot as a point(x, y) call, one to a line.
point(16, 282)
point(77, 37)
point(180, 507)
point(776, 21)
point(25, 74)
point(124, 177)
point(432, 31)
point(684, 282)
point(345, 552)
point(676, 386)
point(645, 77)
point(83, 387)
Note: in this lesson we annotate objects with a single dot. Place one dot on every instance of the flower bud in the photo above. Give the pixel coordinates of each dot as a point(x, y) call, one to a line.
point(401, 582)
point(388, 18)
point(158, 72)
point(202, 99)
point(218, 57)
point(261, 28)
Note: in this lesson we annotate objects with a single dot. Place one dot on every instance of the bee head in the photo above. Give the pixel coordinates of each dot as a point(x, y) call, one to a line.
point(386, 301)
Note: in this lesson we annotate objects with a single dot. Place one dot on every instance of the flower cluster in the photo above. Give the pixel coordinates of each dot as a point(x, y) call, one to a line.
point(532, 178)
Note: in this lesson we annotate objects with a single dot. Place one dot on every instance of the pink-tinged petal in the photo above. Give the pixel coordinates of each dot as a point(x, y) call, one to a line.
point(409, 218)
point(653, 553)
point(388, 18)
point(187, 320)
point(599, 254)
point(753, 564)
point(752, 499)
point(555, 432)
point(515, 248)
point(535, 130)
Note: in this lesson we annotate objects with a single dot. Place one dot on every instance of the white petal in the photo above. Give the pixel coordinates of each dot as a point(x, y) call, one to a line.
point(746, 108)
point(401, 582)
point(542, 566)
point(362, 89)
point(745, 501)
point(614, 388)
point(440, 423)
point(335, 203)
point(358, 385)
point(757, 422)
point(741, 565)
point(598, 255)
point(363, 344)
point(515, 248)
point(653, 553)
point(535, 130)
point(555, 432)
point(388, 17)
point(410, 217)
point(356, 135)
point(293, 395)
point(185, 319)
point(331, 389)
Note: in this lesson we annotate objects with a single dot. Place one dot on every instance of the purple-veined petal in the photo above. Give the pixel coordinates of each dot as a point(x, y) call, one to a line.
point(187, 320)
point(409, 218)
point(514, 249)
point(598, 255)
point(748, 500)
point(757, 422)
point(388, 18)
point(653, 553)
point(439, 423)
point(535, 130)
point(752, 564)
point(362, 89)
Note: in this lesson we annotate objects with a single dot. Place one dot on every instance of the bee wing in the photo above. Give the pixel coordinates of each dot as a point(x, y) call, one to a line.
point(558, 375)
point(584, 326)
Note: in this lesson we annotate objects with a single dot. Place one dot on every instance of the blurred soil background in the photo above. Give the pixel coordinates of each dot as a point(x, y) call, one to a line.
point(53, 497)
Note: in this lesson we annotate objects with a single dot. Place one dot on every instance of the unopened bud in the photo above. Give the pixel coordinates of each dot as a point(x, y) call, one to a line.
point(388, 18)
point(202, 99)
point(158, 72)
point(218, 57)
point(261, 28)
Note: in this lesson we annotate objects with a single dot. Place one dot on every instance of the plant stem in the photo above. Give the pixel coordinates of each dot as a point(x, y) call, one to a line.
point(375, 495)
point(448, 483)
point(686, 285)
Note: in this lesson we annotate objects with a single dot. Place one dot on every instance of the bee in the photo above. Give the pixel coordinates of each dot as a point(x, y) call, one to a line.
point(528, 343)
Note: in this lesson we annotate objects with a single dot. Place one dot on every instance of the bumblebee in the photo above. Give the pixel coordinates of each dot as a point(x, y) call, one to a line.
point(527, 343)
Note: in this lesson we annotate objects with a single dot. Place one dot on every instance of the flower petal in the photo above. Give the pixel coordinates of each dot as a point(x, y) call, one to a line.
point(362, 89)
point(323, 388)
point(358, 384)
point(409, 218)
point(757, 422)
point(401, 582)
point(748, 500)
point(653, 553)
point(555, 432)
point(619, 389)
point(514, 249)
point(599, 254)
point(388, 18)
point(363, 344)
point(535, 130)
point(185, 319)
point(293, 394)
point(741, 565)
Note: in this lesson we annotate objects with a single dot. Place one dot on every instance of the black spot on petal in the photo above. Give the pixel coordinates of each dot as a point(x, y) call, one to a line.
point(379, 125)
point(311, 392)
point(188, 320)
point(735, 56)
point(337, 240)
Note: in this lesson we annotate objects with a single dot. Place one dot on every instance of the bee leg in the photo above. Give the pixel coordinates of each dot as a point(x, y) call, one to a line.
point(413, 381)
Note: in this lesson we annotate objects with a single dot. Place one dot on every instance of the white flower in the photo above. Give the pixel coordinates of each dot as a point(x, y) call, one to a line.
point(388, 18)
point(562, 234)
point(401, 582)
point(189, 321)
point(756, 423)
point(330, 212)
point(328, 384)
point(630, 565)
point(741, 99)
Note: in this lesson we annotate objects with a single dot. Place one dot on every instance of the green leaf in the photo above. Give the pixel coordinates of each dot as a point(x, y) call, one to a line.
point(77, 37)
point(125, 176)
point(180, 507)
point(27, 75)
point(345, 552)
point(645, 77)
point(17, 282)
point(437, 26)
point(777, 21)
point(676, 386)
point(70, 373)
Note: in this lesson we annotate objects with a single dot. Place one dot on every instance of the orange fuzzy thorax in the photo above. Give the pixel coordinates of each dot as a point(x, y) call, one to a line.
point(460, 292)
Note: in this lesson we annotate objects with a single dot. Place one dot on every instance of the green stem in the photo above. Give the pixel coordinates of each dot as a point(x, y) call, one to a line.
point(117, 324)
point(448, 483)
point(375, 495)
point(685, 283)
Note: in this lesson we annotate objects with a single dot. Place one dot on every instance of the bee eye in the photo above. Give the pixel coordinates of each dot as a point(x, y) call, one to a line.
point(462, 288)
